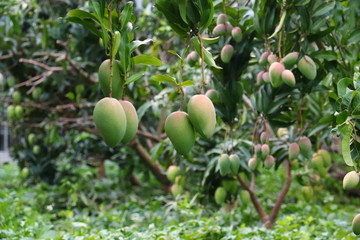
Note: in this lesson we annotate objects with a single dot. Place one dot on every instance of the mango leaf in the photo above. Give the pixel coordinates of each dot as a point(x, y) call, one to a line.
point(182, 9)
point(187, 83)
point(87, 24)
point(134, 78)
point(82, 15)
point(279, 26)
point(327, 55)
point(143, 108)
point(175, 53)
point(347, 130)
point(208, 58)
point(354, 36)
point(342, 88)
point(210, 40)
point(148, 60)
point(324, 8)
point(124, 52)
point(164, 78)
point(126, 14)
point(98, 7)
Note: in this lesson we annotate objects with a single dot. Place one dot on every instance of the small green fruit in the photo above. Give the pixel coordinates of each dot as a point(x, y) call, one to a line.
point(31, 139)
point(305, 146)
point(202, 115)
point(245, 197)
point(265, 151)
point(351, 180)
point(11, 111)
point(290, 59)
point(16, 96)
point(288, 78)
point(272, 58)
point(19, 111)
point(180, 132)
point(307, 193)
point(252, 163)
point(117, 79)
point(132, 121)
point(259, 77)
point(24, 173)
point(224, 164)
point(356, 225)
point(263, 58)
point(269, 162)
point(110, 120)
point(275, 72)
point(36, 93)
point(236, 33)
point(36, 149)
point(219, 30)
point(325, 156)
point(266, 77)
point(294, 151)
point(176, 189)
point(234, 164)
point(192, 58)
point(220, 195)
point(231, 186)
point(226, 53)
point(221, 19)
point(228, 28)
point(307, 67)
point(282, 132)
point(172, 172)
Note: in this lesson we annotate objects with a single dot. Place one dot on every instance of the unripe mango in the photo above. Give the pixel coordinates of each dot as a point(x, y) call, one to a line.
point(236, 33)
point(172, 172)
point(351, 180)
point(11, 111)
point(266, 77)
point(16, 96)
point(234, 164)
point(307, 193)
point(257, 150)
point(245, 197)
point(228, 28)
point(282, 132)
point(294, 151)
point(317, 161)
point(31, 139)
point(305, 146)
point(263, 58)
point(224, 164)
point(307, 67)
point(356, 225)
point(110, 120)
point(221, 19)
point(259, 77)
point(226, 53)
point(263, 137)
point(132, 121)
point(220, 195)
point(269, 161)
point(252, 163)
point(272, 58)
point(325, 156)
point(36, 149)
point(117, 79)
point(231, 186)
point(180, 132)
point(213, 95)
point(192, 58)
point(202, 115)
point(290, 59)
point(265, 151)
point(219, 30)
point(288, 78)
point(36, 93)
point(19, 111)
point(275, 72)
point(176, 189)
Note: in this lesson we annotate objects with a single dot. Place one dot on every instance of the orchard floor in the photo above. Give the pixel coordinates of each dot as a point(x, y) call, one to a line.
point(33, 212)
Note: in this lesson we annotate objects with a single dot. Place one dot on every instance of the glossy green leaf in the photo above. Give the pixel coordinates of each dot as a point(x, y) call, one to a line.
point(87, 24)
point(342, 88)
point(208, 58)
point(346, 130)
point(126, 14)
point(164, 78)
point(148, 60)
point(187, 83)
point(134, 78)
point(82, 15)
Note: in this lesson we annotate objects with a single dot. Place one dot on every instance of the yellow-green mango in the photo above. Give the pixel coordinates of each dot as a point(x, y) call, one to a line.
point(180, 132)
point(16, 96)
point(36, 93)
point(36, 149)
point(176, 189)
point(252, 163)
point(228, 28)
point(172, 172)
point(351, 180)
point(245, 197)
point(226, 53)
point(234, 164)
point(265, 150)
point(305, 146)
point(356, 225)
point(275, 72)
point(236, 33)
point(192, 58)
point(19, 111)
point(263, 58)
point(269, 161)
point(259, 77)
point(31, 139)
point(288, 78)
point(110, 120)
point(219, 30)
point(307, 193)
point(307, 67)
point(230, 185)
point(117, 79)
point(202, 115)
point(224, 164)
point(132, 121)
point(220, 195)
point(221, 19)
point(325, 156)
point(272, 58)
point(294, 151)
point(290, 59)
point(266, 77)
point(11, 111)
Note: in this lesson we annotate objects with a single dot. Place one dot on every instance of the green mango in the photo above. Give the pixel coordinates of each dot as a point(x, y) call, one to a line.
point(326, 156)
point(36, 93)
point(307, 67)
point(220, 195)
point(219, 30)
point(234, 164)
point(221, 19)
point(19, 111)
point(176, 189)
point(180, 132)
point(31, 138)
point(288, 78)
point(172, 172)
point(356, 225)
point(117, 79)
point(236, 33)
point(294, 151)
point(269, 161)
point(265, 151)
point(110, 120)
point(307, 193)
point(275, 72)
point(263, 58)
point(192, 58)
point(351, 180)
point(290, 59)
point(132, 121)
point(272, 58)
point(226, 53)
point(305, 146)
point(16, 96)
point(36, 149)
point(202, 115)
point(224, 164)
point(245, 197)
point(11, 111)
point(252, 163)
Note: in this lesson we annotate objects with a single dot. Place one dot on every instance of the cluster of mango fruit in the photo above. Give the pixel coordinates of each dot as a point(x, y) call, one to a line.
point(116, 120)
point(351, 181)
point(279, 70)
